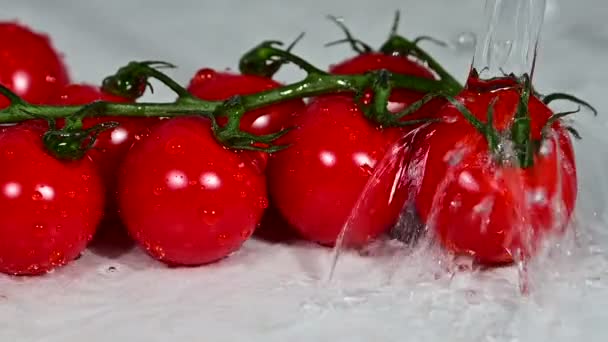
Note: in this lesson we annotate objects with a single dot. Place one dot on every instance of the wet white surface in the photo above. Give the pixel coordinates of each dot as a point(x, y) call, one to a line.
point(270, 292)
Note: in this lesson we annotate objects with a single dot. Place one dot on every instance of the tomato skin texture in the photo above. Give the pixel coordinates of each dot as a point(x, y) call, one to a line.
point(213, 85)
point(315, 183)
point(478, 207)
point(111, 146)
point(185, 198)
point(30, 65)
point(49, 209)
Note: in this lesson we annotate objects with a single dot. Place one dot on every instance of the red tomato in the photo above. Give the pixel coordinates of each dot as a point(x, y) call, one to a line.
point(212, 85)
point(491, 211)
point(49, 209)
point(316, 182)
point(400, 98)
point(29, 64)
point(112, 145)
point(187, 199)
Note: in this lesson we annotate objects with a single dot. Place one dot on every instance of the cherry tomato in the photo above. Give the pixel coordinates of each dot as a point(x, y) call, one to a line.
point(400, 98)
point(489, 210)
point(185, 198)
point(30, 66)
point(212, 85)
point(111, 145)
point(49, 209)
point(316, 182)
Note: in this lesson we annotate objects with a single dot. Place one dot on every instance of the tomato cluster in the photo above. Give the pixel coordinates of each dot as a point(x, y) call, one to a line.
point(189, 200)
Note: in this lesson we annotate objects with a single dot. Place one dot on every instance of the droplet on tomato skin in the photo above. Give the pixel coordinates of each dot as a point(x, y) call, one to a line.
point(546, 148)
point(238, 177)
point(537, 197)
point(454, 157)
point(37, 196)
point(71, 194)
point(174, 146)
point(57, 259)
point(85, 177)
point(34, 268)
point(456, 203)
point(367, 169)
point(158, 190)
point(243, 194)
point(246, 233)
point(9, 154)
point(222, 239)
point(39, 226)
point(210, 216)
point(262, 202)
point(157, 251)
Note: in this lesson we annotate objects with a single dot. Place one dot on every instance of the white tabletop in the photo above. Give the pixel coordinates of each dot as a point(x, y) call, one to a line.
point(272, 292)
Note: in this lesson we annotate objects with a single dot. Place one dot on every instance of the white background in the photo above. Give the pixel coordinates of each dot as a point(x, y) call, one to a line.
point(270, 292)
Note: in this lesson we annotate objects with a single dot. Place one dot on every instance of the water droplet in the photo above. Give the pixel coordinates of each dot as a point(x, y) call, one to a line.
point(454, 157)
point(33, 268)
point(456, 203)
point(367, 169)
point(37, 196)
point(262, 202)
point(243, 194)
point(546, 148)
point(210, 216)
point(9, 154)
point(85, 177)
point(245, 233)
point(238, 177)
point(39, 226)
point(158, 190)
point(157, 251)
point(221, 239)
point(174, 146)
point(63, 213)
point(537, 196)
point(57, 258)
point(465, 41)
point(71, 194)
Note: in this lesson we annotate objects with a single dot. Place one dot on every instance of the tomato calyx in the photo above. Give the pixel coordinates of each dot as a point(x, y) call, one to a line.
point(377, 110)
point(72, 141)
point(231, 134)
point(397, 45)
point(356, 45)
point(264, 60)
point(131, 81)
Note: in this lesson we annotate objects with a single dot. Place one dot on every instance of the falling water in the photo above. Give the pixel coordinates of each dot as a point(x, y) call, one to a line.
point(507, 46)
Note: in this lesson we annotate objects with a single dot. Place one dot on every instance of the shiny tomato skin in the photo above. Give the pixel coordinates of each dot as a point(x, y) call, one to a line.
point(49, 209)
point(31, 67)
point(212, 85)
point(111, 145)
point(316, 181)
point(185, 198)
point(490, 211)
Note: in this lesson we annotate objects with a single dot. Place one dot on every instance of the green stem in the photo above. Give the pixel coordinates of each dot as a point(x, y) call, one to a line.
point(312, 85)
point(403, 46)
